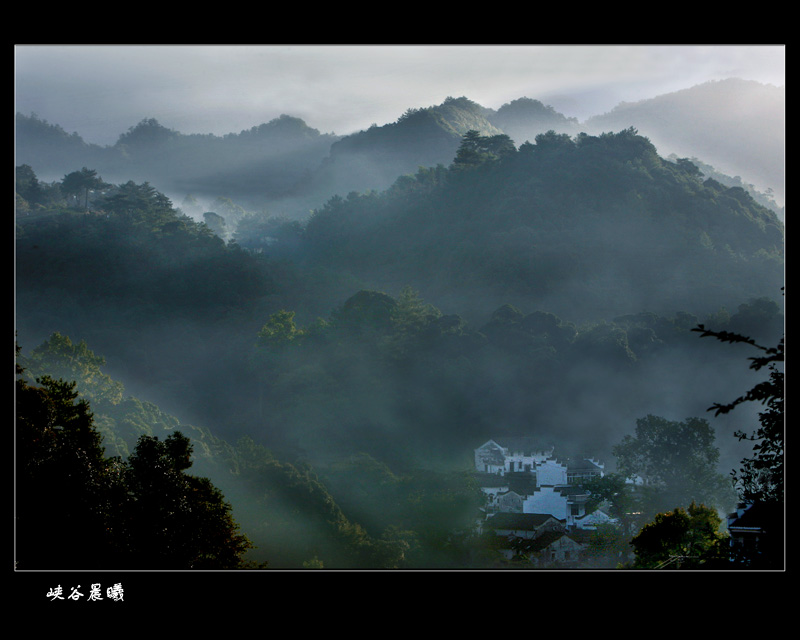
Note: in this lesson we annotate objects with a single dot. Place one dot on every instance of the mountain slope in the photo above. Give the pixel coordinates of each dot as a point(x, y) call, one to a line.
point(738, 126)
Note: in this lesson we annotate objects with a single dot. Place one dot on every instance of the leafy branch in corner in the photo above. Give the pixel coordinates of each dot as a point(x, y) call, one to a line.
point(761, 477)
point(763, 391)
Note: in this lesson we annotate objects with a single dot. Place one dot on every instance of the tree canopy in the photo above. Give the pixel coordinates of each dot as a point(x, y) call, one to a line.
point(684, 538)
point(677, 461)
point(81, 183)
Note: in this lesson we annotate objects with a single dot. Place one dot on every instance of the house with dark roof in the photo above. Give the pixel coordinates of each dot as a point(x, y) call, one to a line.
point(757, 535)
point(583, 469)
point(522, 525)
point(551, 549)
point(538, 538)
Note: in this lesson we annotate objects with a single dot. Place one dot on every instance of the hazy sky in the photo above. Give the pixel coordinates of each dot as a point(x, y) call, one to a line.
point(99, 91)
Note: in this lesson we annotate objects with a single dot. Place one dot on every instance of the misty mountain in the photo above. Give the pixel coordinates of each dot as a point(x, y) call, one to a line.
point(373, 159)
point(738, 126)
point(262, 163)
point(524, 119)
point(290, 168)
point(53, 151)
point(283, 160)
point(765, 199)
point(265, 161)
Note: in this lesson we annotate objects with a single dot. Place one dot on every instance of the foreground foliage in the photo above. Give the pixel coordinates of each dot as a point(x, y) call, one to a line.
point(677, 462)
point(760, 480)
point(761, 476)
point(77, 509)
point(682, 538)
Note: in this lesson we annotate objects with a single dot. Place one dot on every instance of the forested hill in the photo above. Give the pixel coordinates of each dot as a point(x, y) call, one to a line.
point(372, 159)
point(585, 227)
point(286, 511)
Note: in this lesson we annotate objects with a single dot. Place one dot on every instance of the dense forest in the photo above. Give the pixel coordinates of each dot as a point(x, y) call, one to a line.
point(323, 379)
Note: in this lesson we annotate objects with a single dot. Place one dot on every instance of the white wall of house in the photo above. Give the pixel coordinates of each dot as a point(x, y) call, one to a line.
point(547, 500)
point(551, 472)
point(493, 458)
point(489, 458)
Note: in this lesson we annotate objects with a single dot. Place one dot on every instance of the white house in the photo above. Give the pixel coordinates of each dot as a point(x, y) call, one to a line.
point(510, 455)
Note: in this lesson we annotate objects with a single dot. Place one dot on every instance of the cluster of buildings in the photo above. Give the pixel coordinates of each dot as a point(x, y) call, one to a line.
point(536, 507)
point(536, 504)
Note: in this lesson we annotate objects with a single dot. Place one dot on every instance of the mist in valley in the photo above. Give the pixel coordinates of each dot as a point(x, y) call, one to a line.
point(338, 320)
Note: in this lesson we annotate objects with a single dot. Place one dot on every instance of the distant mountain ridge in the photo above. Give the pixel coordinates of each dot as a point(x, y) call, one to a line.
point(523, 119)
point(268, 159)
point(724, 124)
